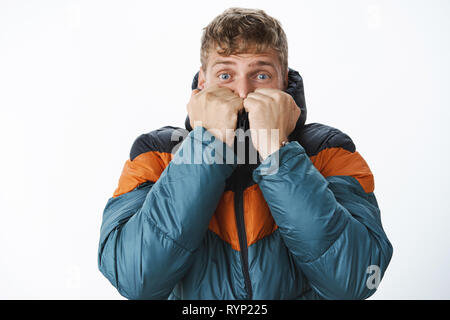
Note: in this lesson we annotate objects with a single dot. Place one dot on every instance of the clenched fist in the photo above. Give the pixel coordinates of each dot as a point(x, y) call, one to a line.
point(216, 109)
point(270, 109)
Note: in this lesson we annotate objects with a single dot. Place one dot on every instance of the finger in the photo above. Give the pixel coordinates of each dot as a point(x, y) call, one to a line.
point(250, 103)
point(230, 96)
point(214, 88)
point(269, 95)
point(257, 96)
point(227, 93)
point(298, 113)
point(210, 89)
point(266, 91)
point(188, 108)
point(238, 104)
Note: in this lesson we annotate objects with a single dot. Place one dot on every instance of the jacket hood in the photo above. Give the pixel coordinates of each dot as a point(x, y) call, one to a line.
point(294, 88)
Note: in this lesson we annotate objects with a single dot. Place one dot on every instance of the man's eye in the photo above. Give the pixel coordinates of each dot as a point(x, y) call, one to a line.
point(262, 76)
point(224, 76)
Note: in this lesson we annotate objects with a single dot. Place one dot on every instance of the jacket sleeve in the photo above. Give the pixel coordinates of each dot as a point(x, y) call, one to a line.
point(328, 221)
point(148, 235)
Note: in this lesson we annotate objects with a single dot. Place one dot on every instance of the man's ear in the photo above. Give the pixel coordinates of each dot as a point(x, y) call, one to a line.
point(201, 79)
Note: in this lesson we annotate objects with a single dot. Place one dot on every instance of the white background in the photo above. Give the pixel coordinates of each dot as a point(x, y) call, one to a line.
point(80, 80)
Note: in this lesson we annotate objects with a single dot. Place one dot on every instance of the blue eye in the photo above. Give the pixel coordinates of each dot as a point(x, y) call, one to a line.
point(224, 76)
point(262, 76)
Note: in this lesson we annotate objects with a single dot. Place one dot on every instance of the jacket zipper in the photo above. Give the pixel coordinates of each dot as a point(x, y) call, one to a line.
point(242, 235)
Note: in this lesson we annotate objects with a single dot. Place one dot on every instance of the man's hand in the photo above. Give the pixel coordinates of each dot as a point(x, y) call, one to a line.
point(216, 110)
point(270, 109)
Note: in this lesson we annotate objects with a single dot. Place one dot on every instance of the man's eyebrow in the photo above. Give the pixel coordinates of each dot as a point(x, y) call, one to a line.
point(258, 63)
point(261, 63)
point(223, 62)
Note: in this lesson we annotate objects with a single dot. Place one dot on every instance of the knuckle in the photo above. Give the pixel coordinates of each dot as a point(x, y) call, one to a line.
point(209, 96)
point(222, 100)
point(272, 99)
point(278, 96)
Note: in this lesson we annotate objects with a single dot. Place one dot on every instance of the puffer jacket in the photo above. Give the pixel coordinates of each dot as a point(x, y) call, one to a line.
point(211, 230)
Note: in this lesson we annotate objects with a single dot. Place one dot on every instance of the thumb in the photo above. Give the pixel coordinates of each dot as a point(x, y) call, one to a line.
point(239, 105)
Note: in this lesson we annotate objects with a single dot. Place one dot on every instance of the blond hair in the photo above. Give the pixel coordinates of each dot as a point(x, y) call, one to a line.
point(240, 30)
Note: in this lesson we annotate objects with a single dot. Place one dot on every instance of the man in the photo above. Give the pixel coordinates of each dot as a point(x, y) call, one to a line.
point(308, 228)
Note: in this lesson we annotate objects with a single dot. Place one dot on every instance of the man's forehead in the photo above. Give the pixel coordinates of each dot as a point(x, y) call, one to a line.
point(266, 58)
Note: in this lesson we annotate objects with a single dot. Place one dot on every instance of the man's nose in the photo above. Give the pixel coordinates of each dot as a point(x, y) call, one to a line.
point(243, 87)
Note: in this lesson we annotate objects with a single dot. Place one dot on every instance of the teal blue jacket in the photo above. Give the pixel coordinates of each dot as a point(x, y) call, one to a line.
point(308, 227)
